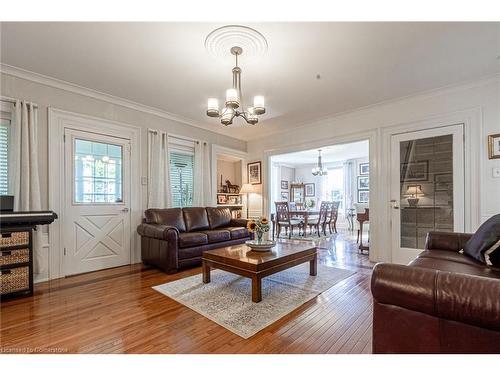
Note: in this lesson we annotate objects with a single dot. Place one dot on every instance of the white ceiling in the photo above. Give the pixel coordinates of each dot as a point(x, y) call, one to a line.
point(165, 65)
point(329, 154)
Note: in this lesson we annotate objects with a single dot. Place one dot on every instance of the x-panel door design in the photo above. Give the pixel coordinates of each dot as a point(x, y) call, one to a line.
point(96, 201)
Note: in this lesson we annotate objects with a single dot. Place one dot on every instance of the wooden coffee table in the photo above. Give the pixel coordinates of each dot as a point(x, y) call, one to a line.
point(256, 265)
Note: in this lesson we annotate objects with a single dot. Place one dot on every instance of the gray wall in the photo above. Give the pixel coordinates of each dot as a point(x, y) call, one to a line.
point(47, 96)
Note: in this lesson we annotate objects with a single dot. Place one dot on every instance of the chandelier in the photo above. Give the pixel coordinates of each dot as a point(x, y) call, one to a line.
point(234, 106)
point(318, 170)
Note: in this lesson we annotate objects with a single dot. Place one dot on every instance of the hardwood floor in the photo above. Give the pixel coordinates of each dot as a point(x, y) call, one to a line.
point(117, 311)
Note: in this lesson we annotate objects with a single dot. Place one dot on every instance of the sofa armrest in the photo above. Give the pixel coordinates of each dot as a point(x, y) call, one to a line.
point(238, 223)
point(453, 296)
point(446, 241)
point(161, 232)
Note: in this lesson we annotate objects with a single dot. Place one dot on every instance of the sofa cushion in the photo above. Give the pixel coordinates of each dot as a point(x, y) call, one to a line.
point(218, 217)
point(217, 235)
point(192, 239)
point(166, 216)
point(238, 232)
point(195, 218)
point(484, 239)
point(455, 267)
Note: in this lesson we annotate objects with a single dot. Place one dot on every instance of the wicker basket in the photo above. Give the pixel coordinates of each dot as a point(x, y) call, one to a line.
point(14, 256)
point(14, 239)
point(14, 280)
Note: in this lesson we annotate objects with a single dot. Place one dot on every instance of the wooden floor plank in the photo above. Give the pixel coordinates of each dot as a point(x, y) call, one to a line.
point(117, 311)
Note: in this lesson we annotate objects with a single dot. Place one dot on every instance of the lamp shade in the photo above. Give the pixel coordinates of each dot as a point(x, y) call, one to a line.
point(213, 107)
point(246, 188)
point(258, 105)
point(232, 98)
point(413, 190)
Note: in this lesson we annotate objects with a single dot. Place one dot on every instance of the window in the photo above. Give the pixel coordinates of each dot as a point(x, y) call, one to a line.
point(181, 178)
point(4, 152)
point(335, 186)
point(97, 172)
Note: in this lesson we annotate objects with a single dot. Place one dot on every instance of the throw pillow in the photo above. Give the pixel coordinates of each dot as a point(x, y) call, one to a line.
point(485, 237)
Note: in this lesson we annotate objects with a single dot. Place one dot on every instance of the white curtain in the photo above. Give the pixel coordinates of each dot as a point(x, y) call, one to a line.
point(24, 179)
point(202, 189)
point(349, 199)
point(159, 193)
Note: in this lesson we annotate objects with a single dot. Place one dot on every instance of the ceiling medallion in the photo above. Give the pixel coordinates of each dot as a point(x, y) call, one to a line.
point(319, 171)
point(236, 37)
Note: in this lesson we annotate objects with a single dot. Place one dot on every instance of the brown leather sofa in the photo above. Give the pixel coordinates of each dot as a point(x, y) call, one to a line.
point(442, 302)
point(174, 238)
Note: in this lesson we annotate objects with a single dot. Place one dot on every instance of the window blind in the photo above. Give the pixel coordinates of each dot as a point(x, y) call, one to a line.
point(4, 156)
point(181, 178)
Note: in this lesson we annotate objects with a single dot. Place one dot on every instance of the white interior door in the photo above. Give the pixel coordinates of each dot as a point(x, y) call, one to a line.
point(427, 187)
point(96, 202)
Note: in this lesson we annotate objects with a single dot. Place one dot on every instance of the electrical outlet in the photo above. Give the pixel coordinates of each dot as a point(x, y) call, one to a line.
point(496, 172)
point(144, 180)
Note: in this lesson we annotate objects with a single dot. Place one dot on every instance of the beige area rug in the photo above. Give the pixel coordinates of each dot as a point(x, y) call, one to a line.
point(227, 300)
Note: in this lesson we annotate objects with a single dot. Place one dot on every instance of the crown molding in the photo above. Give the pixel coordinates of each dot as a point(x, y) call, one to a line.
point(85, 91)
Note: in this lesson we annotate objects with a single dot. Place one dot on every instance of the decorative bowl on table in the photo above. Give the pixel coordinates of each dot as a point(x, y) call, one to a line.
point(262, 246)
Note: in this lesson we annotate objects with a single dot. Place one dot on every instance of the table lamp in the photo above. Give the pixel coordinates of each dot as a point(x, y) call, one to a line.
point(247, 189)
point(413, 192)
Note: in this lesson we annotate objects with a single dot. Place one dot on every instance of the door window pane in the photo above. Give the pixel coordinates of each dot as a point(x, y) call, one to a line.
point(426, 188)
point(97, 172)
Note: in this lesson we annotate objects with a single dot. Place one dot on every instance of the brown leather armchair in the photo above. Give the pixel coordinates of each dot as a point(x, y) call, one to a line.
point(442, 302)
point(175, 238)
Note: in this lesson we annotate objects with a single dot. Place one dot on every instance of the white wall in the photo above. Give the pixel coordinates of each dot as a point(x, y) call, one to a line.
point(476, 104)
point(47, 96)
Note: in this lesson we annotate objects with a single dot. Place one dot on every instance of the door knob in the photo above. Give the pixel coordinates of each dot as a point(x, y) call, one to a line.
point(125, 209)
point(395, 204)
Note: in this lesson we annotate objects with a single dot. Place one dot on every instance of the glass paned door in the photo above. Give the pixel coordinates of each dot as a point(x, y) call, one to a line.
point(427, 187)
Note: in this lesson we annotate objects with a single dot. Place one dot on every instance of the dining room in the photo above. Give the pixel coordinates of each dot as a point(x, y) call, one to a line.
point(322, 192)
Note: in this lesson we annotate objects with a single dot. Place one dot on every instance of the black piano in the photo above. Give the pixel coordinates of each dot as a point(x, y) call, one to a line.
point(16, 250)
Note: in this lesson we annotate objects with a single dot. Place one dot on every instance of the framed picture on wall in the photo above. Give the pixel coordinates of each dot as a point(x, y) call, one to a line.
point(363, 196)
point(363, 182)
point(494, 146)
point(364, 169)
point(285, 196)
point(310, 189)
point(254, 171)
point(415, 171)
point(284, 185)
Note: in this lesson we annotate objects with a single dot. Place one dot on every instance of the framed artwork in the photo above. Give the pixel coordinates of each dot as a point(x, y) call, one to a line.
point(254, 171)
point(364, 168)
point(414, 171)
point(443, 181)
point(363, 196)
point(363, 182)
point(285, 196)
point(494, 146)
point(284, 185)
point(310, 189)
point(221, 199)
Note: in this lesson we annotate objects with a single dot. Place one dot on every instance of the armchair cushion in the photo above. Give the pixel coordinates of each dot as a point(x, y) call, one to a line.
point(486, 238)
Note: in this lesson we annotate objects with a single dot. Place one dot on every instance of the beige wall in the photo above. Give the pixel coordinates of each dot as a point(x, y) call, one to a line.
point(230, 171)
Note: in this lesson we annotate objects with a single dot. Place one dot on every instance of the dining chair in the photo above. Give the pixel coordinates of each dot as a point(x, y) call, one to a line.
point(319, 222)
point(332, 217)
point(283, 219)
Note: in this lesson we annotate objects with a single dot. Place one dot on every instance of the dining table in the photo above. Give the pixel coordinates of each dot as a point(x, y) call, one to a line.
point(303, 215)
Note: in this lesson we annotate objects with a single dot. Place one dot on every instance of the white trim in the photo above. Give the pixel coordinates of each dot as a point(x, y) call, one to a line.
point(81, 90)
point(58, 120)
point(221, 150)
point(471, 118)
